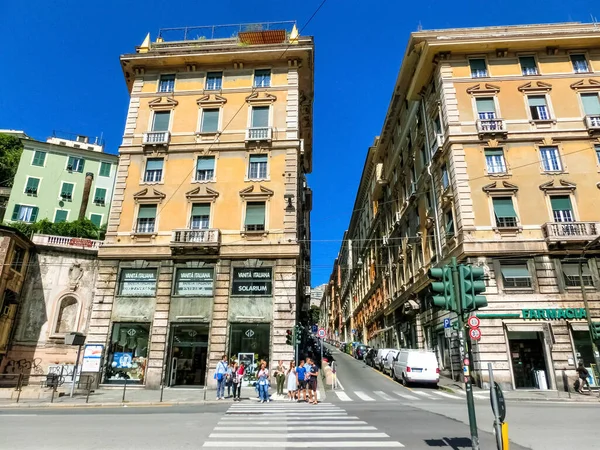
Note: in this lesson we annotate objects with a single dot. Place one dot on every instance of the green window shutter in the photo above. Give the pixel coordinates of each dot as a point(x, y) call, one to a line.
point(81, 165)
point(96, 219)
point(561, 203)
point(494, 152)
point(154, 164)
point(200, 209)
point(591, 104)
point(39, 158)
point(260, 116)
point(258, 158)
point(255, 213)
point(161, 121)
point(60, 216)
point(205, 163)
point(15, 214)
point(147, 212)
point(100, 195)
point(67, 190)
point(515, 271)
point(71, 162)
point(485, 104)
point(536, 100)
point(32, 184)
point(210, 120)
point(34, 214)
point(105, 169)
point(503, 207)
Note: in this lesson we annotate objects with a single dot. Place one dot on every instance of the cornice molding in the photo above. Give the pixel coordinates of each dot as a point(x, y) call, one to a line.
point(149, 196)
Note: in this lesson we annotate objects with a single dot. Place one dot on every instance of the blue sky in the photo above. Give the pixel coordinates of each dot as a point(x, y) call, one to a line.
point(60, 70)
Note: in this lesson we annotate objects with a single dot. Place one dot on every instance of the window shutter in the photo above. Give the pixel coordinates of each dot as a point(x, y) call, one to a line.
point(147, 212)
point(60, 216)
point(161, 121)
point(205, 163)
point(200, 209)
point(258, 158)
point(105, 169)
point(67, 188)
point(34, 214)
point(210, 120)
point(591, 104)
point(260, 116)
point(154, 164)
point(561, 203)
point(527, 62)
point(255, 213)
point(477, 64)
point(96, 219)
point(494, 152)
point(536, 100)
point(515, 271)
point(503, 207)
point(100, 194)
point(15, 214)
point(485, 105)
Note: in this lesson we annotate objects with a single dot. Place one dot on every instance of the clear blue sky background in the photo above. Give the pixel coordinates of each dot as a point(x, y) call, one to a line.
point(59, 69)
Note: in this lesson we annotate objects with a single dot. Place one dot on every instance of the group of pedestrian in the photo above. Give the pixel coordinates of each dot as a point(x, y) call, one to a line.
point(229, 375)
point(302, 381)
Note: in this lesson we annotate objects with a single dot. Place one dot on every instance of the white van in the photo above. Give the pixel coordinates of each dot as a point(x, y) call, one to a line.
point(388, 362)
point(416, 366)
point(380, 357)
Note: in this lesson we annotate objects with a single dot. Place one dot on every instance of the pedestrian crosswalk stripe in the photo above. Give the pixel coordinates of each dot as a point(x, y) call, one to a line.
point(384, 396)
point(299, 428)
point(424, 394)
point(232, 417)
point(305, 444)
point(336, 421)
point(444, 394)
point(343, 396)
point(364, 396)
point(260, 434)
point(406, 396)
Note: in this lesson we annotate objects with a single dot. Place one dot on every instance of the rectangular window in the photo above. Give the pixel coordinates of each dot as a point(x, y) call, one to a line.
point(550, 159)
point(257, 168)
point(138, 282)
point(255, 216)
point(100, 196)
point(154, 170)
point(494, 160)
point(210, 120)
point(205, 168)
point(571, 275)
point(17, 259)
point(538, 107)
point(75, 164)
point(506, 216)
point(449, 224)
point(146, 220)
point(200, 217)
point(252, 281)
point(161, 121)
point(486, 108)
point(445, 178)
point(580, 64)
point(24, 213)
point(528, 65)
point(260, 117)
point(66, 191)
point(262, 78)
point(61, 215)
point(515, 275)
point(166, 83)
point(597, 148)
point(562, 209)
point(591, 104)
point(194, 282)
point(105, 169)
point(39, 158)
point(478, 67)
point(96, 219)
point(214, 81)
point(31, 188)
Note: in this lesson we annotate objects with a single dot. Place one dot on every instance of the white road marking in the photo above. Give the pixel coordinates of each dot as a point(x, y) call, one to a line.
point(424, 394)
point(445, 394)
point(259, 434)
point(296, 428)
point(306, 444)
point(343, 396)
point(250, 417)
point(384, 396)
point(406, 396)
point(364, 396)
point(279, 422)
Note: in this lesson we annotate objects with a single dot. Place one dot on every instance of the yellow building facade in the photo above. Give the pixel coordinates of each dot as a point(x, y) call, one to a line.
point(207, 249)
point(489, 153)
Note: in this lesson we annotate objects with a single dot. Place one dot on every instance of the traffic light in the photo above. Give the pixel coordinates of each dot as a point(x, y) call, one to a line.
point(289, 337)
point(471, 285)
point(596, 331)
point(442, 289)
point(298, 329)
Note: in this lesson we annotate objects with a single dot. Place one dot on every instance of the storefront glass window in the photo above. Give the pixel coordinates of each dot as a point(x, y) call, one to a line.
point(138, 282)
point(583, 348)
point(194, 282)
point(250, 343)
point(252, 281)
point(128, 353)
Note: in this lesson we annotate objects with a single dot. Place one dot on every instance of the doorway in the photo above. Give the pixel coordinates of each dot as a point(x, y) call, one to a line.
point(528, 360)
point(188, 356)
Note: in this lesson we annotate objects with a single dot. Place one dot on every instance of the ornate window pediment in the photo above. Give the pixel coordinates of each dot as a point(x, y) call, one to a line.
point(505, 188)
point(586, 85)
point(162, 103)
point(535, 87)
point(261, 98)
point(211, 100)
point(251, 194)
point(486, 89)
point(148, 195)
point(201, 194)
point(562, 187)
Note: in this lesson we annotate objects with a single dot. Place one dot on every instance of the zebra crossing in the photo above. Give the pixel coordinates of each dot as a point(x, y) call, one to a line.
point(294, 425)
point(412, 395)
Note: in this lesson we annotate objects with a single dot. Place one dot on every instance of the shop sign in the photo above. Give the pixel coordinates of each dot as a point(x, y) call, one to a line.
point(138, 282)
point(553, 314)
point(196, 282)
point(252, 281)
point(92, 355)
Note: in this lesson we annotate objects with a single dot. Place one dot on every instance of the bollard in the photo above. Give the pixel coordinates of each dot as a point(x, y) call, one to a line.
point(89, 388)
point(124, 389)
point(19, 386)
point(162, 388)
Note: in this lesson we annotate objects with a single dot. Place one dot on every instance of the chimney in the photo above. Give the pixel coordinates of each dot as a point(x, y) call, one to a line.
point(87, 187)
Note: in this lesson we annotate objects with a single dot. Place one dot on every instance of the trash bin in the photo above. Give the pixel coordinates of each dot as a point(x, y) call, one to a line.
point(52, 380)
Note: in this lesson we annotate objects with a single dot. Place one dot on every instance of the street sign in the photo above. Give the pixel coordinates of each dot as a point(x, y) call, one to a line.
point(314, 328)
point(501, 402)
point(448, 332)
point(321, 332)
point(475, 334)
point(447, 323)
point(474, 322)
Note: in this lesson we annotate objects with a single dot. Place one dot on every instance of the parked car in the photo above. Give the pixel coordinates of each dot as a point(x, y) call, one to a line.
point(342, 346)
point(369, 358)
point(360, 350)
point(388, 362)
point(381, 354)
point(416, 366)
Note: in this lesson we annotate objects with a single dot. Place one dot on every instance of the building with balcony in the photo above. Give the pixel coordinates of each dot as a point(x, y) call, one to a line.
point(207, 249)
point(66, 178)
point(489, 153)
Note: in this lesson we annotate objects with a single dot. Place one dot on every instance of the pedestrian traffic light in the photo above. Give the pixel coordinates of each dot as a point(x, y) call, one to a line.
point(471, 285)
point(442, 289)
point(596, 331)
point(298, 330)
point(289, 337)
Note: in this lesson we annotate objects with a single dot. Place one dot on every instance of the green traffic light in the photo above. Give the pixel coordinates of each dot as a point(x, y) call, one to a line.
point(441, 288)
point(472, 284)
point(596, 331)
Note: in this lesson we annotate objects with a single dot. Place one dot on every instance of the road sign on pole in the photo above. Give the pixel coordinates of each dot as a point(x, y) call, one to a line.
point(475, 334)
point(447, 322)
point(474, 322)
point(321, 332)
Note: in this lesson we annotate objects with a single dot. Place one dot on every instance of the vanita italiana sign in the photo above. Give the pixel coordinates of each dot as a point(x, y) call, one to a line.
point(553, 314)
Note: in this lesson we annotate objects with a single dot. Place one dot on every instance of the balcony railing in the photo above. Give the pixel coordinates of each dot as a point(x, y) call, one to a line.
point(196, 238)
point(67, 242)
point(592, 122)
point(259, 134)
point(157, 138)
point(491, 126)
point(571, 231)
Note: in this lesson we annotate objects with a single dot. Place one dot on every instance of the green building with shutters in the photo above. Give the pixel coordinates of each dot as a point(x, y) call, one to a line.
point(63, 179)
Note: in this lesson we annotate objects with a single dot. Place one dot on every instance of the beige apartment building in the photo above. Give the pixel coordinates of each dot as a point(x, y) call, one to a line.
point(207, 250)
point(490, 152)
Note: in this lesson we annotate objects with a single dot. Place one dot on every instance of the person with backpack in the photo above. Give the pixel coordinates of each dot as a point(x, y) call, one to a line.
point(583, 375)
point(220, 376)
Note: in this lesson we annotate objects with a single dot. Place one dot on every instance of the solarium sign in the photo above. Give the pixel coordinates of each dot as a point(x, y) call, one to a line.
point(553, 314)
point(252, 281)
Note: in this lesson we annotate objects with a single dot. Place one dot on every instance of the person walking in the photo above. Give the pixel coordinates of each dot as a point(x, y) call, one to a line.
point(312, 383)
point(263, 383)
point(583, 375)
point(300, 374)
point(308, 367)
point(292, 382)
point(220, 375)
point(238, 376)
point(229, 377)
point(280, 377)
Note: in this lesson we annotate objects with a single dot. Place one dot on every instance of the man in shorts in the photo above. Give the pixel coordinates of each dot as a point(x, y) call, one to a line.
point(312, 382)
point(300, 374)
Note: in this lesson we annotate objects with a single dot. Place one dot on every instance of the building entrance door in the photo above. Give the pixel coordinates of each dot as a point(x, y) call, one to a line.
point(528, 361)
point(188, 355)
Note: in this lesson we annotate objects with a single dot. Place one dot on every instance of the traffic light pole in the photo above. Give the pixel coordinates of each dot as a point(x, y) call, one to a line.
point(465, 350)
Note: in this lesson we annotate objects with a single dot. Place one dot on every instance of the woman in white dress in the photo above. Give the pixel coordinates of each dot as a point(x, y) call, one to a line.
point(292, 382)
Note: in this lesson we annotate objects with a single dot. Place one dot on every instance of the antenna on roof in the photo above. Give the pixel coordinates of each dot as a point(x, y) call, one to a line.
point(594, 20)
point(419, 27)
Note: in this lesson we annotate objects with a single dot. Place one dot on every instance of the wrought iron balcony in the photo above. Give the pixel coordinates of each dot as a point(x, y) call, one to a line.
point(571, 231)
point(259, 134)
point(207, 240)
point(157, 138)
point(491, 126)
point(592, 123)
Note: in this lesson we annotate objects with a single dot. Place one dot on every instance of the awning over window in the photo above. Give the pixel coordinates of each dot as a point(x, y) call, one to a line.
point(515, 271)
point(561, 203)
point(205, 163)
point(503, 207)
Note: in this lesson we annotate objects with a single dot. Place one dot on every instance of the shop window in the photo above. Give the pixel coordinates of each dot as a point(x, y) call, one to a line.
point(138, 282)
point(194, 282)
point(249, 343)
point(571, 275)
point(583, 348)
point(515, 275)
point(252, 281)
point(66, 319)
point(127, 353)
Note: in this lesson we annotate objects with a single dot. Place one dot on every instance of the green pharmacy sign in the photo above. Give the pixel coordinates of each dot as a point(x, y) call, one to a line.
point(553, 314)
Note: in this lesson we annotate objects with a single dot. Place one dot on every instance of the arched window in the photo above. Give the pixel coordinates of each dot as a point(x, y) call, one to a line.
point(66, 319)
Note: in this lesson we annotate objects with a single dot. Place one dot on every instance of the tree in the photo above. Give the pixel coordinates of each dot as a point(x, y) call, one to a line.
point(83, 228)
point(315, 314)
point(11, 148)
